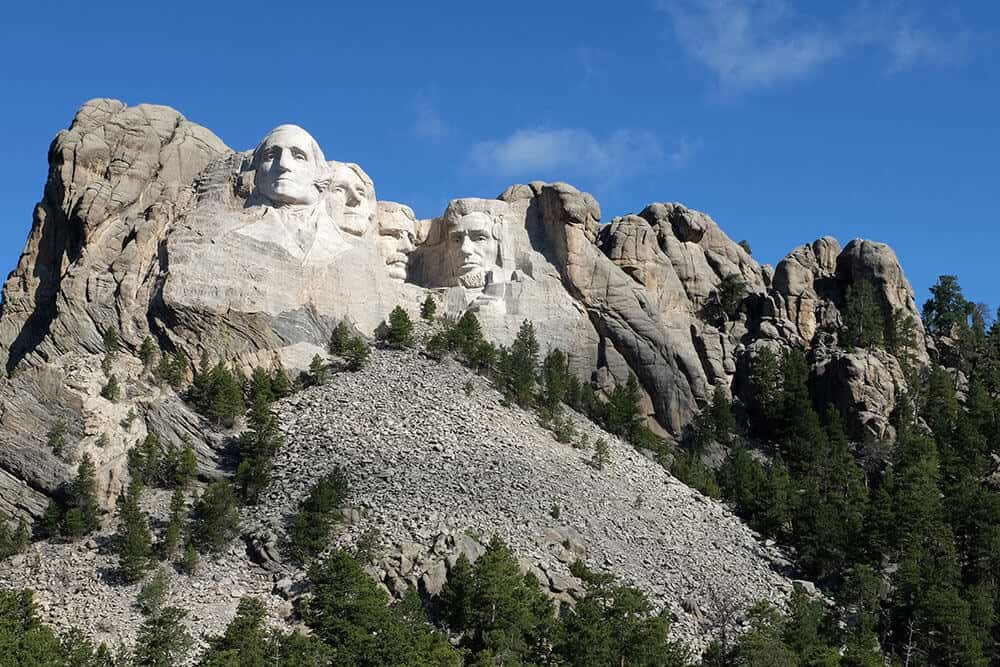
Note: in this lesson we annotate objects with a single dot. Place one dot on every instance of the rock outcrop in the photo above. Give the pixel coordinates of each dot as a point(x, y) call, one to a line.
point(151, 227)
point(437, 475)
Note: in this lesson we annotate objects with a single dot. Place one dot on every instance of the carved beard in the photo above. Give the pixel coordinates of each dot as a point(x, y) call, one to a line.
point(474, 279)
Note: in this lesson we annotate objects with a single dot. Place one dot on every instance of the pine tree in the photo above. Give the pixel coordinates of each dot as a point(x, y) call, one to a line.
point(174, 532)
point(56, 438)
point(145, 460)
point(765, 392)
point(111, 342)
point(261, 386)
point(246, 642)
point(399, 333)
point(257, 446)
point(456, 597)
point(339, 339)
point(858, 599)
point(280, 386)
point(517, 367)
point(723, 421)
point(226, 397)
point(615, 625)
point(622, 415)
point(556, 381)
point(172, 369)
point(929, 611)
point(317, 370)
point(51, 523)
point(185, 468)
point(428, 308)
point(901, 337)
point(163, 641)
point(356, 353)
point(6, 540)
point(832, 503)
point(946, 308)
point(726, 299)
point(602, 454)
point(499, 610)
point(190, 559)
point(864, 322)
point(215, 518)
point(82, 497)
point(799, 428)
point(350, 614)
point(24, 639)
point(147, 351)
point(310, 529)
point(112, 391)
point(22, 537)
point(154, 592)
point(133, 541)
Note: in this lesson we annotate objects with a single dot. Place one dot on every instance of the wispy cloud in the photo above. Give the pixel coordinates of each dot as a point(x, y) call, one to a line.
point(683, 153)
point(593, 64)
point(563, 153)
point(428, 123)
point(751, 45)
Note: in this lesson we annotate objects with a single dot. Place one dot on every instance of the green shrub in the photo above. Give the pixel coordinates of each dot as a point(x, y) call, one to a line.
point(428, 308)
point(133, 541)
point(112, 391)
point(310, 529)
point(215, 517)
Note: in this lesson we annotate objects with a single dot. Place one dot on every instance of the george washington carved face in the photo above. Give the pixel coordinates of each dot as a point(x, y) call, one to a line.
point(290, 169)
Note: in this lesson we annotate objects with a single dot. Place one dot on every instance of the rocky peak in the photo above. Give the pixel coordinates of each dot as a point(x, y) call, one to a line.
point(151, 227)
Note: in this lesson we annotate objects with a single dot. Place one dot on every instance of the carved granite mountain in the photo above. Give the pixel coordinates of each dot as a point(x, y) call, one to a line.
point(150, 226)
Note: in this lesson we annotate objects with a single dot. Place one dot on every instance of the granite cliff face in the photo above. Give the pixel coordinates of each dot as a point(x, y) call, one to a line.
point(150, 226)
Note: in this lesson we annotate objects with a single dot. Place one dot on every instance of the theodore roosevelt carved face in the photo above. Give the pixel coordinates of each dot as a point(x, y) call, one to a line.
point(396, 241)
point(289, 168)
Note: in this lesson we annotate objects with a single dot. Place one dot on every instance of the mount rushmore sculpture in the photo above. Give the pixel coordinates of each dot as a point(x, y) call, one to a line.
point(149, 225)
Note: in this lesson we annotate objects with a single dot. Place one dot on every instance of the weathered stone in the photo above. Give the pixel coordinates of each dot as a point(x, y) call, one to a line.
point(434, 579)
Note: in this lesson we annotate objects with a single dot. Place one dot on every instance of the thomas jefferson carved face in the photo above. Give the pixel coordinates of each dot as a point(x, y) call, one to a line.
point(395, 242)
point(473, 248)
point(357, 197)
point(289, 167)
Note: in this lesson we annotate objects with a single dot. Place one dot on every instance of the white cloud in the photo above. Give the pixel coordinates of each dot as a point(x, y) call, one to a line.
point(683, 153)
point(428, 123)
point(593, 64)
point(750, 45)
point(561, 153)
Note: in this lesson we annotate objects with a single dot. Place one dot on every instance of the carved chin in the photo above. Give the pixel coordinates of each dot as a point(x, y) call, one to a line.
point(473, 279)
point(397, 271)
point(354, 223)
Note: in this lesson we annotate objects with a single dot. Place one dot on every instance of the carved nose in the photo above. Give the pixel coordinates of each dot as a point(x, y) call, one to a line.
point(468, 247)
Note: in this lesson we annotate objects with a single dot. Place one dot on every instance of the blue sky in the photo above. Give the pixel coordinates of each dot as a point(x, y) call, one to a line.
point(785, 121)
